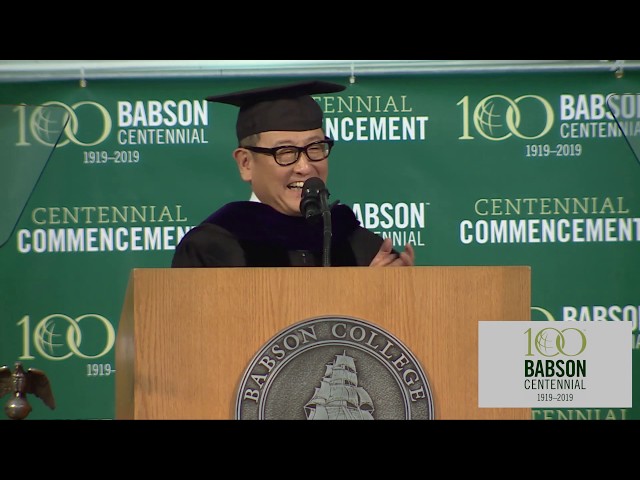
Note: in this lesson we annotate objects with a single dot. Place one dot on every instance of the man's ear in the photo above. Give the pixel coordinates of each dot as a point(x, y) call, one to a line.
point(243, 159)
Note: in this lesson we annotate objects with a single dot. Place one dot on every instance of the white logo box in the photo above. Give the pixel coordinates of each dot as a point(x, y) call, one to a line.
point(523, 364)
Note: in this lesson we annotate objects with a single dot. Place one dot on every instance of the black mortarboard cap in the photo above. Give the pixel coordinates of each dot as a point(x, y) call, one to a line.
point(281, 107)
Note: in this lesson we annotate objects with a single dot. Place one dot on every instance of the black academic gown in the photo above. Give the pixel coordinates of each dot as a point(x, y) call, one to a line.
point(253, 234)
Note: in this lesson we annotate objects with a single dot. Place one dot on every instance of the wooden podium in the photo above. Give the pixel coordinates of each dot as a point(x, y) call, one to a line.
point(186, 336)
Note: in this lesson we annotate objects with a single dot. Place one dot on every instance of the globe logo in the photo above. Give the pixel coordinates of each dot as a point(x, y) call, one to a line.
point(491, 120)
point(46, 339)
point(549, 342)
point(47, 123)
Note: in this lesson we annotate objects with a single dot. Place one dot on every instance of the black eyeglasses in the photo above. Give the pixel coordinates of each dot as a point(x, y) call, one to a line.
point(289, 154)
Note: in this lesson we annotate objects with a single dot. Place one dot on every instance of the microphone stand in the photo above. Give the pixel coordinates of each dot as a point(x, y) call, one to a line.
point(326, 221)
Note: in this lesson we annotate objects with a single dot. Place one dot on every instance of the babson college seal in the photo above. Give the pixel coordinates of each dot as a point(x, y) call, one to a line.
point(334, 368)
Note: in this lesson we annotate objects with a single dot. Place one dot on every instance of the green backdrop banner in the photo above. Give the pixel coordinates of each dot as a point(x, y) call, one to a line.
point(476, 169)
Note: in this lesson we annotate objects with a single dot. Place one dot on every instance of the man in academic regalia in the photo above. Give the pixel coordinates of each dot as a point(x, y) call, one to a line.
point(281, 145)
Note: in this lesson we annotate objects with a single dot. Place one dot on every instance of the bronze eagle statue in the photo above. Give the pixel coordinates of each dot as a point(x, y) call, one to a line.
point(20, 383)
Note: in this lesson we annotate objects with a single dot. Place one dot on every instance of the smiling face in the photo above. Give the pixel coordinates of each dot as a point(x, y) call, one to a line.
point(277, 186)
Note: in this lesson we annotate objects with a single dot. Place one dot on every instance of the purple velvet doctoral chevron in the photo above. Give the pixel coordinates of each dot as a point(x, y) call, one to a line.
point(257, 222)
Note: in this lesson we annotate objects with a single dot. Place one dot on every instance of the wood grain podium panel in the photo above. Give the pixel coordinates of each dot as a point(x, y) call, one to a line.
point(186, 336)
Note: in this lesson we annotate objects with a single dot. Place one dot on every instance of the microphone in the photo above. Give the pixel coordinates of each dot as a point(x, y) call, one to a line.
point(311, 203)
point(314, 205)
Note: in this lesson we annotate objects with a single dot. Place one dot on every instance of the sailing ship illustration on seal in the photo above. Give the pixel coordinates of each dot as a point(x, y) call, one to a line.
point(339, 396)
